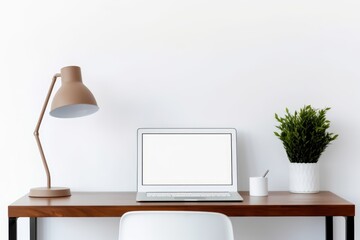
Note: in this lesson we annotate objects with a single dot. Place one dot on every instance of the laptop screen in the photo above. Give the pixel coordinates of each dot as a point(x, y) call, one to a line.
point(186, 158)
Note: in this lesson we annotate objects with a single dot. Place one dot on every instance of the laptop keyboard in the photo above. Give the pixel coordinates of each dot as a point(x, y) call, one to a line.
point(188, 195)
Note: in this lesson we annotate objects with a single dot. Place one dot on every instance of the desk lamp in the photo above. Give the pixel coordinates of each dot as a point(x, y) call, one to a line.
point(73, 99)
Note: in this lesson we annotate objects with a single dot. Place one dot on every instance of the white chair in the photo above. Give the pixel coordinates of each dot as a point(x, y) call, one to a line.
point(175, 225)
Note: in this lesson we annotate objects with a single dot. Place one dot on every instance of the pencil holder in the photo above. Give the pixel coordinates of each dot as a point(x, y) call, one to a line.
point(258, 186)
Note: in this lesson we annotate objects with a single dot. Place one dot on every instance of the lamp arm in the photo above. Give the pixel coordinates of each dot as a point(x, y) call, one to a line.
point(36, 132)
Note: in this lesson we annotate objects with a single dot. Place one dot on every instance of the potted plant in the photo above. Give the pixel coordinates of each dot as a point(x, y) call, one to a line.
point(305, 137)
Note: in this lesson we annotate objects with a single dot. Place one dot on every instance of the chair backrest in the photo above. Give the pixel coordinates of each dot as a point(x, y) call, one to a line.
point(175, 225)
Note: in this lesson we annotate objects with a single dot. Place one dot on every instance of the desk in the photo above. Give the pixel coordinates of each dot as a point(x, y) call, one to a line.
point(115, 204)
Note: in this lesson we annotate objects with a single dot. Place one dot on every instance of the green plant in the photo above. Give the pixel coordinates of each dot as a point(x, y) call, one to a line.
point(304, 134)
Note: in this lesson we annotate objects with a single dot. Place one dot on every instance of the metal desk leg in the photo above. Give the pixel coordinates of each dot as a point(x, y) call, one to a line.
point(329, 226)
point(349, 228)
point(33, 228)
point(12, 228)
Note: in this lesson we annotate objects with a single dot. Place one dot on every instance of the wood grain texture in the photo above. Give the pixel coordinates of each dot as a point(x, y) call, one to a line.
point(115, 204)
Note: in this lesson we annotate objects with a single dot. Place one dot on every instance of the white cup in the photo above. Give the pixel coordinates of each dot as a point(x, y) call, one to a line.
point(258, 186)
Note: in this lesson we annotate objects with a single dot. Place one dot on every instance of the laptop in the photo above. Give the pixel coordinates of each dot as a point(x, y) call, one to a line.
point(187, 165)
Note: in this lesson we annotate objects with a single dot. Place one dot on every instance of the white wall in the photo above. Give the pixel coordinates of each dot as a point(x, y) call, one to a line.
point(189, 63)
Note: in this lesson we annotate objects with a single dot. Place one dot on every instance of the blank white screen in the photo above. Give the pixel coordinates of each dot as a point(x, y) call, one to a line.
point(186, 159)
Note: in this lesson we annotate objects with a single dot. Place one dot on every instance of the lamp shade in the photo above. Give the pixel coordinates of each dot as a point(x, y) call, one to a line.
point(73, 99)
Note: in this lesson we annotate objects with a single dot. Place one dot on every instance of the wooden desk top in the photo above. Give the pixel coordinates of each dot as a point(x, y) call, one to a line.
point(115, 204)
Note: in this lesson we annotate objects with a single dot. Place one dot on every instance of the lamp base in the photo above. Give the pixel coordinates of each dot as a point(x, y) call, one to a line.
point(49, 192)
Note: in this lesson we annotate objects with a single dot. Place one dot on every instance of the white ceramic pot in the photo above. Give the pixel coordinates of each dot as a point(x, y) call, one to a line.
point(304, 178)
